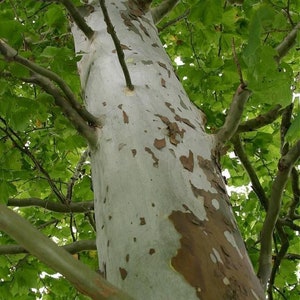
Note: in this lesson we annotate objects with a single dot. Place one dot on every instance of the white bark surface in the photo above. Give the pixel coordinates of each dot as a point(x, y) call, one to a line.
point(153, 172)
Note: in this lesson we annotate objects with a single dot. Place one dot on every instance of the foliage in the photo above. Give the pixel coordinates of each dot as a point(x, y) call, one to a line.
point(33, 129)
point(204, 43)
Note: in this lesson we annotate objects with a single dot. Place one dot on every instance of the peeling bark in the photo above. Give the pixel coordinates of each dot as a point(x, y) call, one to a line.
point(165, 229)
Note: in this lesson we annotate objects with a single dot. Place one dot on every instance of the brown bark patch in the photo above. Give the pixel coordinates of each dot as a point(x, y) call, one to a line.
point(159, 143)
point(173, 130)
point(147, 62)
point(182, 103)
point(165, 67)
point(211, 172)
point(123, 273)
point(133, 151)
point(169, 106)
point(151, 251)
point(185, 121)
point(202, 262)
point(188, 161)
point(125, 117)
point(124, 47)
point(163, 82)
point(142, 221)
point(178, 118)
point(155, 164)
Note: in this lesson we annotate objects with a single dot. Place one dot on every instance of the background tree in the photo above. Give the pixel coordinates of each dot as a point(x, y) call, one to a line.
point(46, 169)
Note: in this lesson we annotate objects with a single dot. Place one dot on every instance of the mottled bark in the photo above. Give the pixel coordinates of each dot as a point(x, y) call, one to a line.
point(165, 229)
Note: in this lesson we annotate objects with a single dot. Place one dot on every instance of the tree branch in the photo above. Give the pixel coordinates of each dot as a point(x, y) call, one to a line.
point(76, 174)
point(296, 194)
point(74, 207)
point(261, 120)
point(284, 167)
point(117, 43)
point(76, 247)
point(174, 21)
point(258, 189)
point(281, 254)
point(162, 10)
point(78, 19)
point(88, 132)
point(12, 55)
point(288, 42)
point(85, 280)
point(234, 115)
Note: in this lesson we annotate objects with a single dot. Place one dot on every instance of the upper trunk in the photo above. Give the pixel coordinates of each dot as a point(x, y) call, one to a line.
point(165, 229)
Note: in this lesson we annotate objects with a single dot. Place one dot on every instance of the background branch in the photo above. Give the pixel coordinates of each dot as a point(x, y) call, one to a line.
point(74, 207)
point(162, 10)
point(288, 42)
point(258, 189)
point(76, 174)
point(277, 261)
point(296, 194)
point(72, 248)
point(174, 21)
point(261, 120)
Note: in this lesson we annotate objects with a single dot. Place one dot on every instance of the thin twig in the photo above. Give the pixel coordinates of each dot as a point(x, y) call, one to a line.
point(236, 60)
point(117, 43)
point(189, 28)
point(284, 127)
point(280, 255)
point(296, 194)
point(16, 140)
point(256, 185)
point(91, 217)
point(174, 21)
point(76, 174)
point(78, 19)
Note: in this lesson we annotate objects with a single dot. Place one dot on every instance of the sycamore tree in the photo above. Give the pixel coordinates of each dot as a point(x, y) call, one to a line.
point(117, 119)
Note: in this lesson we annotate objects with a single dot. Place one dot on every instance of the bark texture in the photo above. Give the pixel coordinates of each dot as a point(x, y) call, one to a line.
point(165, 229)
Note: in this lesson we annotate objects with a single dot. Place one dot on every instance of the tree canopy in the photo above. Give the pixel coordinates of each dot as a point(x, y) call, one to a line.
point(215, 45)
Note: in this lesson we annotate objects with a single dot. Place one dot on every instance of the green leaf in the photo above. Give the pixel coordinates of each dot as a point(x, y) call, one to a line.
point(293, 133)
point(206, 11)
point(55, 16)
point(12, 31)
point(7, 189)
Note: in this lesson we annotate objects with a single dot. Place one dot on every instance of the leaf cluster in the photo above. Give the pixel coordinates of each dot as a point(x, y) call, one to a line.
point(204, 42)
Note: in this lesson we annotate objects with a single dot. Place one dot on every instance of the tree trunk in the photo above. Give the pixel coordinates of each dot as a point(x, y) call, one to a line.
point(165, 229)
